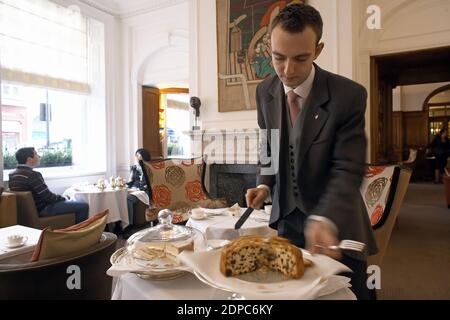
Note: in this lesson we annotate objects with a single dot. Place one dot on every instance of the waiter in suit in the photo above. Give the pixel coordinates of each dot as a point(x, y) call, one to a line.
point(322, 146)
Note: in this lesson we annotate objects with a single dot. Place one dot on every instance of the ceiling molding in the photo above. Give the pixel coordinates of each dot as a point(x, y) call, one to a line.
point(110, 9)
point(129, 8)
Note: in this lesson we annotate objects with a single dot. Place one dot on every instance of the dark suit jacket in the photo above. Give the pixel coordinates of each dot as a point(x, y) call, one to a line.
point(331, 156)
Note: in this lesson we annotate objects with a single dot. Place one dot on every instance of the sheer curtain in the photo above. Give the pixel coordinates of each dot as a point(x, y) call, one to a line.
point(44, 44)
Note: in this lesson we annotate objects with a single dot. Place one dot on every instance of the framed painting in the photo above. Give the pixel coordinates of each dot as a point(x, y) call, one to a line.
point(244, 57)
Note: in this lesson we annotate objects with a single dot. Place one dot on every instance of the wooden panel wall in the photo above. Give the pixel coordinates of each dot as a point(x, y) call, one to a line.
point(397, 135)
point(150, 122)
point(415, 126)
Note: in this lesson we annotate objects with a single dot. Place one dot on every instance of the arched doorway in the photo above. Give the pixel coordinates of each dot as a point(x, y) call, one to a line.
point(163, 76)
point(437, 107)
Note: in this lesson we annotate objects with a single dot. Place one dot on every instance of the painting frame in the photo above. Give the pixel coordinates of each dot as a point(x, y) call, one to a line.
point(243, 52)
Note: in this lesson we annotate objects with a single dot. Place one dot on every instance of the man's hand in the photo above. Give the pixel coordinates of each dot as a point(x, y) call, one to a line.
point(319, 235)
point(255, 197)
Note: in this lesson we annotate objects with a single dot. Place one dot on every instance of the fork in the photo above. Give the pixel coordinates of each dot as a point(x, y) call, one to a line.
point(346, 245)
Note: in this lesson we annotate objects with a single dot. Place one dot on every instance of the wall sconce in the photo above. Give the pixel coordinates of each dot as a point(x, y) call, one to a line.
point(195, 104)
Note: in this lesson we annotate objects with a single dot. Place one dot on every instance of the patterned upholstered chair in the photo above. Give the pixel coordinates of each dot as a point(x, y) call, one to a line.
point(178, 185)
point(383, 190)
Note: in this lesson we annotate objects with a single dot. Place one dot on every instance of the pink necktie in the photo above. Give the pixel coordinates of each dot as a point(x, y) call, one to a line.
point(294, 105)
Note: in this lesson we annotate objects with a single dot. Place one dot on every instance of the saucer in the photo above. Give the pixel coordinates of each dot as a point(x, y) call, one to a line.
point(200, 218)
point(12, 246)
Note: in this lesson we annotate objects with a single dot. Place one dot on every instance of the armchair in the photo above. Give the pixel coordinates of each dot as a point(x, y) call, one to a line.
point(47, 279)
point(8, 210)
point(383, 191)
point(28, 216)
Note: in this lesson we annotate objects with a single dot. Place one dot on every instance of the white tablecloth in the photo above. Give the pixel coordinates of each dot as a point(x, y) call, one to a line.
point(222, 227)
point(115, 200)
point(188, 287)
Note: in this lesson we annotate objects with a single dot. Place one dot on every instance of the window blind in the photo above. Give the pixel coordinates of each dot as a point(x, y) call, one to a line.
point(44, 44)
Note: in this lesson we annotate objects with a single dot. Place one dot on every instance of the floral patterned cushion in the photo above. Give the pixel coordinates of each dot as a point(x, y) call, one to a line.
point(176, 184)
point(377, 191)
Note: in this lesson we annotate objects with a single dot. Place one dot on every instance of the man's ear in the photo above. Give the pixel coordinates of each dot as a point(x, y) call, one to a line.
point(319, 49)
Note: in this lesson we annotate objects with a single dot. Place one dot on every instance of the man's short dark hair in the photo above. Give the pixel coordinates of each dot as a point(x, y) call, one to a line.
point(296, 17)
point(23, 154)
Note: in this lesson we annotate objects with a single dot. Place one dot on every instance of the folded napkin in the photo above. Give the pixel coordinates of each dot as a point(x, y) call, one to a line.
point(260, 215)
point(318, 280)
point(141, 195)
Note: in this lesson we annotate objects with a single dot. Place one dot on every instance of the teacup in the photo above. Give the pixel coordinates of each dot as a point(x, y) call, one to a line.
point(16, 240)
point(198, 213)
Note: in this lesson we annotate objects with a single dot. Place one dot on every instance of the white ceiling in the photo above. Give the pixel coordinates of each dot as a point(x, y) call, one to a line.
point(126, 8)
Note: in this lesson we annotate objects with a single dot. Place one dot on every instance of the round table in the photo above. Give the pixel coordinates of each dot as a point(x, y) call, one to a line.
point(115, 200)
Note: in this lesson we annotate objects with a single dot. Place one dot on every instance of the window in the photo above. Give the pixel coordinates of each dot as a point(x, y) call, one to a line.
point(53, 85)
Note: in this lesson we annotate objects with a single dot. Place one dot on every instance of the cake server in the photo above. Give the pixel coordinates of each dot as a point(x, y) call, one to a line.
point(243, 218)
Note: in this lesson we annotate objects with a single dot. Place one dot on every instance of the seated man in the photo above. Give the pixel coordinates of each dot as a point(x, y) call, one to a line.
point(24, 178)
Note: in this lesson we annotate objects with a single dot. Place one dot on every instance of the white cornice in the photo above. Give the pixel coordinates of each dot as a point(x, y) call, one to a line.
point(129, 8)
point(110, 9)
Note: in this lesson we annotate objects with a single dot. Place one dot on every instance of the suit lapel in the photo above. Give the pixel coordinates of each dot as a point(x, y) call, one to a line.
point(275, 107)
point(316, 116)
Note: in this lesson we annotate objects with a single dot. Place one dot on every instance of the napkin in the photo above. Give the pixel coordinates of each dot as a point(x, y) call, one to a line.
point(260, 215)
point(319, 279)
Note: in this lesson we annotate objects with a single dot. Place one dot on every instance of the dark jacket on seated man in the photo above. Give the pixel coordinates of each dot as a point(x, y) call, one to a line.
point(24, 178)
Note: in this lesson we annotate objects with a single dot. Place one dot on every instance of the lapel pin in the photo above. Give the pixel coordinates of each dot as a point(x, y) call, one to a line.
point(316, 117)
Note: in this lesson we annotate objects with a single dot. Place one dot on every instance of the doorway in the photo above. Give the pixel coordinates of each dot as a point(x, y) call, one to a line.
point(165, 122)
point(401, 69)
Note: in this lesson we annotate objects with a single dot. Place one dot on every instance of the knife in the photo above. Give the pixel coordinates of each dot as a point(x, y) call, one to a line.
point(243, 218)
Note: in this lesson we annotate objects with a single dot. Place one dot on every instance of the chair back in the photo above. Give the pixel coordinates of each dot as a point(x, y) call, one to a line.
point(177, 184)
point(8, 210)
point(412, 156)
point(79, 276)
point(383, 190)
point(28, 216)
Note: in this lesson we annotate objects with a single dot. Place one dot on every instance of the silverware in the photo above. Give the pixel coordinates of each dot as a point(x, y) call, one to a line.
point(243, 218)
point(346, 245)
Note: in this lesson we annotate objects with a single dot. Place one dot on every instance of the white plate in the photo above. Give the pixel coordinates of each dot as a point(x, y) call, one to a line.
point(267, 284)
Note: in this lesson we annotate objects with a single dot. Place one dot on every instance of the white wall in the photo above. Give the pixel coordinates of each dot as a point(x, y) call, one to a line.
point(155, 49)
point(443, 96)
point(334, 58)
point(414, 96)
point(406, 25)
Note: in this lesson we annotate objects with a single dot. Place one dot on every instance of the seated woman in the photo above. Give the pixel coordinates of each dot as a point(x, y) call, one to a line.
point(137, 181)
point(441, 149)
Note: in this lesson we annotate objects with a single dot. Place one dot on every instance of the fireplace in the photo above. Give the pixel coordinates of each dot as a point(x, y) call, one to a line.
point(231, 181)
